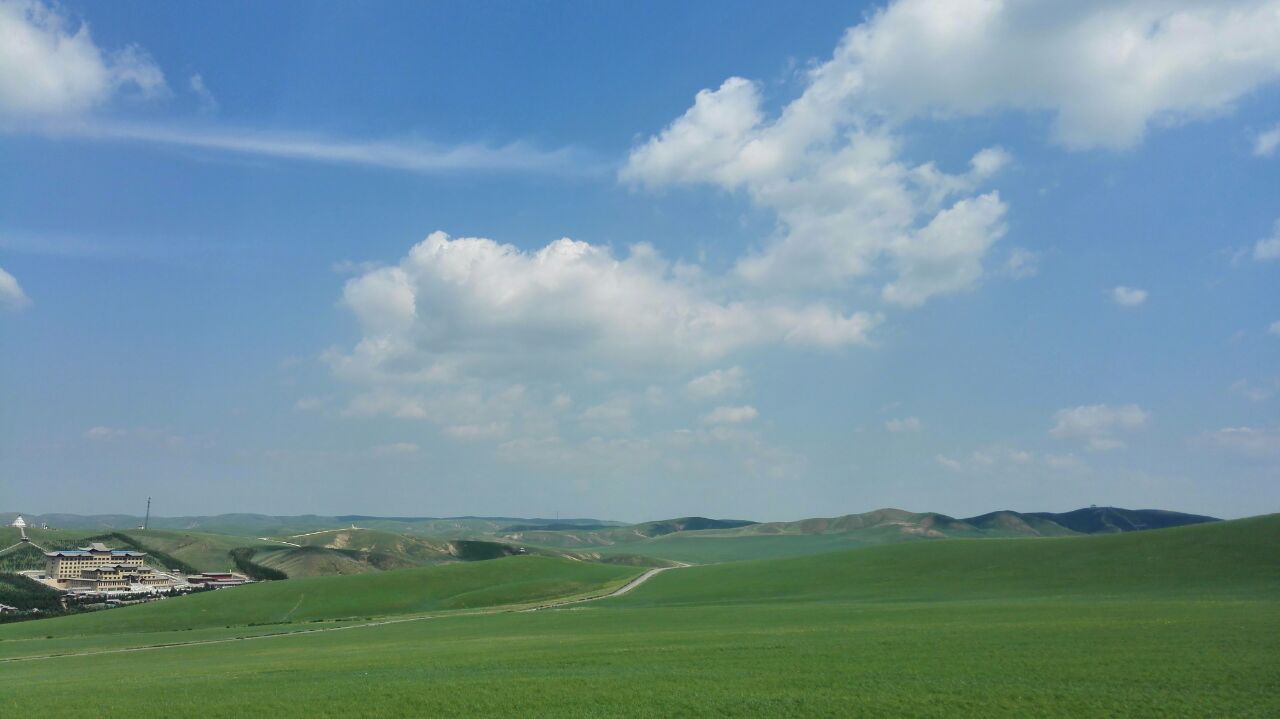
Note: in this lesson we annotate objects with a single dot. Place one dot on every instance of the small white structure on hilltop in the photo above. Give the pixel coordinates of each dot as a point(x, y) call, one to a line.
point(20, 523)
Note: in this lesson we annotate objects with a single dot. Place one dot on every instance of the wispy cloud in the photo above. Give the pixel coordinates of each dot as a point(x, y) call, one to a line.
point(1128, 296)
point(1265, 144)
point(408, 155)
point(12, 296)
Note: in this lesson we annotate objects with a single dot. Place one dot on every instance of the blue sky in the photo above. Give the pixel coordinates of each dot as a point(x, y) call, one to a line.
point(637, 261)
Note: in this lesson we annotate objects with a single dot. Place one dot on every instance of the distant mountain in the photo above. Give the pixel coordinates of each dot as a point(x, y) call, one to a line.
point(688, 524)
point(574, 535)
point(1100, 520)
point(258, 525)
point(879, 526)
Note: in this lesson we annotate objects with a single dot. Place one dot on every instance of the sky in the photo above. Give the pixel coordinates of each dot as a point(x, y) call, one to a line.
point(640, 260)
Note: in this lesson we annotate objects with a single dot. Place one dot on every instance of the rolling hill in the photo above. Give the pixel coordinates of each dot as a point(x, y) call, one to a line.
point(1236, 558)
point(514, 580)
point(1178, 622)
point(258, 525)
point(703, 541)
point(353, 544)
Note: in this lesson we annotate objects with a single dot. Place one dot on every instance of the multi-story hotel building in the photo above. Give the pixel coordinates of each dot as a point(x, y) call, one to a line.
point(96, 568)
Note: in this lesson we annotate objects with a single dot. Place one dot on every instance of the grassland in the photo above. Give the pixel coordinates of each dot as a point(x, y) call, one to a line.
point(447, 587)
point(1171, 623)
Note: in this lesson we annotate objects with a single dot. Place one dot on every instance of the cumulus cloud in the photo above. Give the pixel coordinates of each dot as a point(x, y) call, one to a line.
point(1268, 249)
point(474, 305)
point(1105, 71)
point(905, 424)
point(50, 65)
point(731, 415)
point(11, 295)
point(847, 203)
point(1265, 144)
point(717, 383)
point(1128, 296)
point(1098, 425)
point(564, 342)
point(831, 167)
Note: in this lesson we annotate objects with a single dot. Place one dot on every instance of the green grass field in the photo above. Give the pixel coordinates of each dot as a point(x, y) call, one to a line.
point(1171, 623)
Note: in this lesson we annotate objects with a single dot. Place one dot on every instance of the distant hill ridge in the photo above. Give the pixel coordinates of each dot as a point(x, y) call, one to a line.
point(1088, 520)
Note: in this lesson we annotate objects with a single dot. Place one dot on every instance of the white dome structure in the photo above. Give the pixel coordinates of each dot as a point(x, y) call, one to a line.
point(20, 523)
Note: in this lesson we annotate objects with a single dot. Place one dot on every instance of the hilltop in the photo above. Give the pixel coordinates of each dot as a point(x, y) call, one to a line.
point(701, 540)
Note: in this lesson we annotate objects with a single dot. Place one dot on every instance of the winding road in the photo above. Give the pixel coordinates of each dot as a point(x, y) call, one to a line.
point(646, 576)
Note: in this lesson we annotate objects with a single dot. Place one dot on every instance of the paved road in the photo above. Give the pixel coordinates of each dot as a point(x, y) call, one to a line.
point(550, 605)
point(616, 593)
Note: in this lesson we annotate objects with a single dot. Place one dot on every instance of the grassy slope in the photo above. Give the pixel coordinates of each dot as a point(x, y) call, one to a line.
point(206, 552)
point(1241, 556)
point(454, 586)
point(1173, 623)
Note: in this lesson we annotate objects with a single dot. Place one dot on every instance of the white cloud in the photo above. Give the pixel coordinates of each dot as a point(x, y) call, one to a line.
point(1021, 263)
point(470, 432)
point(101, 432)
point(613, 415)
point(1253, 441)
point(1268, 249)
point(49, 68)
point(142, 435)
point(11, 295)
point(1105, 71)
point(731, 415)
point(1265, 144)
point(999, 459)
point(717, 383)
point(848, 205)
point(1253, 392)
point(470, 306)
point(905, 424)
point(394, 154)
point(207, 102)
point(393, 450)
point(1098, 424)
point(830, 166)
point(310, 404)
point(1128, 296)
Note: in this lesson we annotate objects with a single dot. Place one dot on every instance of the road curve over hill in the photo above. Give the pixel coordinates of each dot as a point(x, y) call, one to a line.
point(616, 593)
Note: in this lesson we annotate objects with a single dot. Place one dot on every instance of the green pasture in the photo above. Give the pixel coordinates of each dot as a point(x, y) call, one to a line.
point(1170, 623)
point(514, 580)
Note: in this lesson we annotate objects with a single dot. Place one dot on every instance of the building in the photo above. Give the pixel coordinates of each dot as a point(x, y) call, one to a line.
point(117, 578)
point(20, 523)
point(217, 579)
point(67, 564)
point(96, 568)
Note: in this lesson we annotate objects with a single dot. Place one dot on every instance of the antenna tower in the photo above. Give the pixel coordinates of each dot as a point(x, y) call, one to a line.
point(147, 519)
